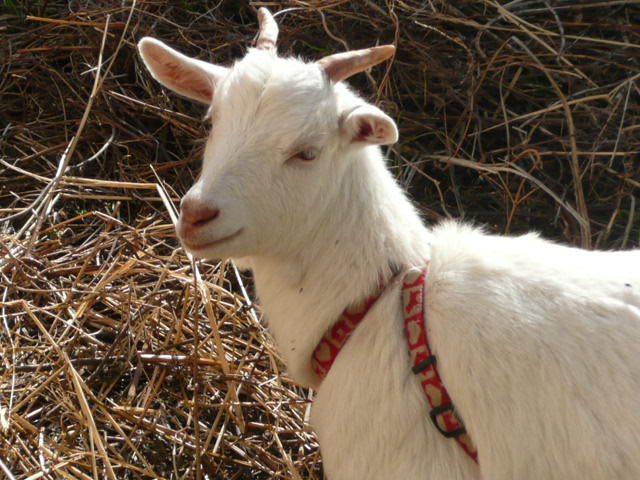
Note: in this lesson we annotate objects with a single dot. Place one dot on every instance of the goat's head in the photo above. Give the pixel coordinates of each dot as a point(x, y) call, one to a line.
point(281, 129)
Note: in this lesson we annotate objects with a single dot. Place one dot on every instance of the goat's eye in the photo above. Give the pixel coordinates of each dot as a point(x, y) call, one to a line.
point(306, 155)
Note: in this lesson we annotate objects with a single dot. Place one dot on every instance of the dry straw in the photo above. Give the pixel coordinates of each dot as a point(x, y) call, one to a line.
point(123, 358)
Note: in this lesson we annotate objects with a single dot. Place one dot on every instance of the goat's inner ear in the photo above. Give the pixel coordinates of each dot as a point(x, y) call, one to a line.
point(369, 125)
point(190, 77)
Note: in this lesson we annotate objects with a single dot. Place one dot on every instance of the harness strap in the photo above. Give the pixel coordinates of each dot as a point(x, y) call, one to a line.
point(332, 342)
point(443, 414)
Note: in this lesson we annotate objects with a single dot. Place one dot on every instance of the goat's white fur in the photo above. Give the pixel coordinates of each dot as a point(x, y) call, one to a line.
point(538, 344)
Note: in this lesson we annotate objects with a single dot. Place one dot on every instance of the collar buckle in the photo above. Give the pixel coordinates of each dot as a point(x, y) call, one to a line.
point(449, 420)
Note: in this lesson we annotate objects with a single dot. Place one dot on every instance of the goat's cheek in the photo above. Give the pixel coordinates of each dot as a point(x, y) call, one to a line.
point(273, 217)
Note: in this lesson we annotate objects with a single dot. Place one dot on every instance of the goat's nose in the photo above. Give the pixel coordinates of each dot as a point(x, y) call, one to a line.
point(195, 213)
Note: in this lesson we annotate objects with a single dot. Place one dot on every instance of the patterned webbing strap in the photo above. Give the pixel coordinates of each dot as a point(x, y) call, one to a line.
point(442, 413)
point(333, 341)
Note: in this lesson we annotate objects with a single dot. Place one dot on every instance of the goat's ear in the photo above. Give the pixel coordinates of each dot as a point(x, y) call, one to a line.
point(192, 78)
point(369, 125)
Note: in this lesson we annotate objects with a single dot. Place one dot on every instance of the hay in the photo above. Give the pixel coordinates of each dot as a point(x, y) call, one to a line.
point(122, 358)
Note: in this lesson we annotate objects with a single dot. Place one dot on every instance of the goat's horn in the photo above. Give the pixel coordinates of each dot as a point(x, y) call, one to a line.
point(268, 30)
point(341, 66)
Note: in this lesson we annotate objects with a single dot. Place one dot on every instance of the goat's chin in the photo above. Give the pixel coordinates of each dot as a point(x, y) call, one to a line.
point(203, 254)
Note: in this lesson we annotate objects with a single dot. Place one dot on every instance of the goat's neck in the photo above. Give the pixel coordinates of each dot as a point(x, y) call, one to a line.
point(370, 229)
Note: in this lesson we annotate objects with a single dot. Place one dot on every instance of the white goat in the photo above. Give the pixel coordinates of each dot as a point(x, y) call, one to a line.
point(537, 344)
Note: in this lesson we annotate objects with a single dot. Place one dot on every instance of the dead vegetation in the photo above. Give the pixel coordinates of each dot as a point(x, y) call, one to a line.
point(121, 358)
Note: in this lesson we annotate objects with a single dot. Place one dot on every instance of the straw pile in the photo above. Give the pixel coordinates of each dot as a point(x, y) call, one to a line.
point(123, 359)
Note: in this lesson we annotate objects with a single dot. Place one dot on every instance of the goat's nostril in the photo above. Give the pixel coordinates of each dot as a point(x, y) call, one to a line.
point(196, 214)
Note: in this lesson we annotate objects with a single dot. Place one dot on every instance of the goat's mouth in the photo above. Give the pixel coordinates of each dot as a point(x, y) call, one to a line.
point(211, 244)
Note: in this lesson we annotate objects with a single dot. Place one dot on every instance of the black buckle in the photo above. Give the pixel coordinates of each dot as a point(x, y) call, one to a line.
point(445, 407)
point(427, 362)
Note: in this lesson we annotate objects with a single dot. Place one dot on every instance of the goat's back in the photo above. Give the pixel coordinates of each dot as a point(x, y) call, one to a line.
point(539, 346)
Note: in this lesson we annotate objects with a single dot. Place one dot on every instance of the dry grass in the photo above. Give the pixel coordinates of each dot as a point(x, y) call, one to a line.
point(121, 358)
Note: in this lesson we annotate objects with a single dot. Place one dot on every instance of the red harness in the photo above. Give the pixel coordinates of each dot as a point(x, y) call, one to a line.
point(442, 413)
point(333, 341)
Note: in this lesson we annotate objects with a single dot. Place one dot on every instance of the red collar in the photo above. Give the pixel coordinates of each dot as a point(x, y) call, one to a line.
point(333, 341)
point(443, 414)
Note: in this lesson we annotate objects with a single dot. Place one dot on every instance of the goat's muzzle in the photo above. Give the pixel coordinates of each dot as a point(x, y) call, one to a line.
point(195, 214)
